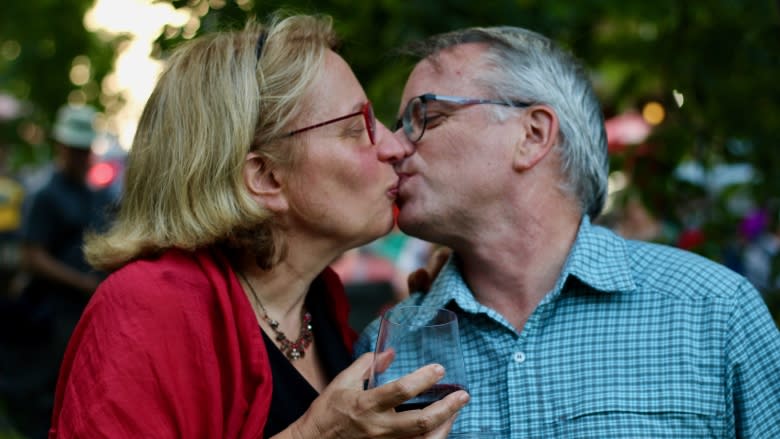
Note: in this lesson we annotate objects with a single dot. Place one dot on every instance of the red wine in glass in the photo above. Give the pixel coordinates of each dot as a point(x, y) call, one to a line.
point(433, 394)
point(411, 337)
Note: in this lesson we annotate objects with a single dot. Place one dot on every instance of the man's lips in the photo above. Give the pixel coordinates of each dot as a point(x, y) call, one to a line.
point(402, 177)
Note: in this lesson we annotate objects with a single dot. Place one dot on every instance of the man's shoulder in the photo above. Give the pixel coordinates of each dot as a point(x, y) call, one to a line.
point(681, 273)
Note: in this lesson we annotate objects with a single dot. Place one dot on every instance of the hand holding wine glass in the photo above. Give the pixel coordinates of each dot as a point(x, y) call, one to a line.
point(344, 409)
point(411, 337)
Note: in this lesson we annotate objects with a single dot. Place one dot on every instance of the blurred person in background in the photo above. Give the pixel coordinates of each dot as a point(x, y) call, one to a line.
point(11, 197)
point(55, 219)
point(568, 330)
point(256, 163)
point(60, 213)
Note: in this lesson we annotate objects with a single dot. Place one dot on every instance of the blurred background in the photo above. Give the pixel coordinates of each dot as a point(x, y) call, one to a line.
point(689, 89)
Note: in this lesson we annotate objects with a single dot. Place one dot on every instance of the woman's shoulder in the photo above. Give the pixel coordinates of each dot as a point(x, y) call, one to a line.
point(174, 278)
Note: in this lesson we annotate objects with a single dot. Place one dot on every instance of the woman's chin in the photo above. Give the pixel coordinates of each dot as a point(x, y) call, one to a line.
point(379, 229)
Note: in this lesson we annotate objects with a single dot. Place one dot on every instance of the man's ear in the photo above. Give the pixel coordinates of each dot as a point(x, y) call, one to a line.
point(265, 183)
point(540, 134)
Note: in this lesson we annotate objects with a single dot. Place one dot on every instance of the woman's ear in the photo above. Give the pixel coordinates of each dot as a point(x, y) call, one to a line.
point(265, 183)
point(540, 134)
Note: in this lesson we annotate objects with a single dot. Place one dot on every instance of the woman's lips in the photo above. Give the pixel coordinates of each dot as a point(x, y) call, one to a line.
point(392, 191)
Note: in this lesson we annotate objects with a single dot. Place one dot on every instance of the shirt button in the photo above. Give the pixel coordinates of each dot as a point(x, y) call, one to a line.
point(519, 357)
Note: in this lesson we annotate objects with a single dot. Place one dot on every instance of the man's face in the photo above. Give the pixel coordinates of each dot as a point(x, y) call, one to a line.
point(456, 172)
point(75, 162)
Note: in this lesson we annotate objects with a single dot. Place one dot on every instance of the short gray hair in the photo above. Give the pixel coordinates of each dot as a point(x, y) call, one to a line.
point(533, 68)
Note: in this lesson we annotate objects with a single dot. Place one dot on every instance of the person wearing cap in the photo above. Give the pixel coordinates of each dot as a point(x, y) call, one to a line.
point(55, 219)
point(63, 209)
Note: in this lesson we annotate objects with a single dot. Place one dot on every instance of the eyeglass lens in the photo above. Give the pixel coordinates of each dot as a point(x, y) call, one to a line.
point(414, 119)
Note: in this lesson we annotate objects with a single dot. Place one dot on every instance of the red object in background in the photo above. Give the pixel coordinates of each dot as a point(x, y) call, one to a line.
point(624, 130)
point(690, 239)
point(102, 174)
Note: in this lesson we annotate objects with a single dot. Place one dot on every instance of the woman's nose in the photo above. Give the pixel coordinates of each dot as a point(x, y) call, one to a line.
point(391, 147)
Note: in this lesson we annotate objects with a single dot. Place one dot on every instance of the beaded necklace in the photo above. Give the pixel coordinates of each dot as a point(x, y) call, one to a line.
point(292, 350)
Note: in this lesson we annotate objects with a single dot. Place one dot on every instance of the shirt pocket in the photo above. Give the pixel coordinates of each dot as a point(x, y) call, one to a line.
point(682, 410)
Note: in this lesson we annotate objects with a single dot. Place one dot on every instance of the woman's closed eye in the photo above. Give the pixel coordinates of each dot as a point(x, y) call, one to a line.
point(354, 130)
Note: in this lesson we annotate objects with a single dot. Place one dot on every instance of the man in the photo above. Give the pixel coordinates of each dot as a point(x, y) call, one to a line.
point(62, 211)
point(569, 331)
point(54, 222)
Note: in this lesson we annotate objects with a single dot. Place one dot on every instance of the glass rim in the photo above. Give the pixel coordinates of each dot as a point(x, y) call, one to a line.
point(387, 315)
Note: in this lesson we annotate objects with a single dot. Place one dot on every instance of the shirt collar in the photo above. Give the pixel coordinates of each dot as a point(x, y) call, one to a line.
point(449, 286)
point(598, 258)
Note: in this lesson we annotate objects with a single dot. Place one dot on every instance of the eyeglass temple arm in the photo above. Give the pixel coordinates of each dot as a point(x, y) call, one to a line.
point(473, 101)
point(327, 122)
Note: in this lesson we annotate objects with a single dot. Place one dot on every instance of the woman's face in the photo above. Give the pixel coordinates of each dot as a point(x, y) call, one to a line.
point(342, 189)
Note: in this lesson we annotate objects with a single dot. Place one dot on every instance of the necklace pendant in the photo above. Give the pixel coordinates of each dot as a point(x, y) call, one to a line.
point(292, 350)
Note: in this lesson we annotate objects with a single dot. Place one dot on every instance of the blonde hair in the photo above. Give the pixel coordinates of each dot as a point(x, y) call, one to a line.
point(215, 102)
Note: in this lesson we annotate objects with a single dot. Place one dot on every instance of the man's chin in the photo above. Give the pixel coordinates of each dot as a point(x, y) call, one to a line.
point(410, 222)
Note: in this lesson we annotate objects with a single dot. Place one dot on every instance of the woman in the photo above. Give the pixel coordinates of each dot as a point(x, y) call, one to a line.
point(257, 162)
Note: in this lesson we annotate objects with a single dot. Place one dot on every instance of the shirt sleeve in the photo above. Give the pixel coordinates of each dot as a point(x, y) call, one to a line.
point(753, 349)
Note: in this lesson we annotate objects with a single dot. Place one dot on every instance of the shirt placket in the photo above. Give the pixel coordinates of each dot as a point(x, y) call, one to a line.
point(530, 408)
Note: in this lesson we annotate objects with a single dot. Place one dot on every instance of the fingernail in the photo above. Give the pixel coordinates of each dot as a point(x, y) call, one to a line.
point(464, 397)
point(439, 369)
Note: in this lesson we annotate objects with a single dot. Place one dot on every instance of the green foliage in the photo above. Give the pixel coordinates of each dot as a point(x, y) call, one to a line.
point(39, 40)
point(722, 56)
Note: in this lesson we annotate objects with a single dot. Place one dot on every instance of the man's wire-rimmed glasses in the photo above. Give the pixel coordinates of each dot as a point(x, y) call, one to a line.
point(414, 119)
point(367, 110)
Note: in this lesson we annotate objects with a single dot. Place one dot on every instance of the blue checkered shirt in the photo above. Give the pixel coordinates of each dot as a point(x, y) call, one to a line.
point(636, 340)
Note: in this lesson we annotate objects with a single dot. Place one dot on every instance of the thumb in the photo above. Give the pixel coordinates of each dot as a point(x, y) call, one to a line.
point(419, 280)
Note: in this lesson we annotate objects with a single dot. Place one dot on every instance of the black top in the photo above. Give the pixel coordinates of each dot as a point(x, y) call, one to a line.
point(292, 394)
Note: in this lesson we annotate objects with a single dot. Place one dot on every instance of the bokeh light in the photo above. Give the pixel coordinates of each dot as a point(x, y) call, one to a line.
point(126, 89)
point(653, 113)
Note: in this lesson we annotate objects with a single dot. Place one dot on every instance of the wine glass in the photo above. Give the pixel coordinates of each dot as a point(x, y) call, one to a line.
point(411, 337)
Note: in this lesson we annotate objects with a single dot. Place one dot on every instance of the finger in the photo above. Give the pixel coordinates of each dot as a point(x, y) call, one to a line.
point(436, 419)
point(354, 375)
point(442, 431)
point(383, 360)
point(437, 260)
point(419, 280)
point(392, 394)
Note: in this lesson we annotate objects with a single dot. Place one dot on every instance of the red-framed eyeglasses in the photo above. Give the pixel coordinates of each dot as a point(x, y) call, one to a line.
point(368, 118)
